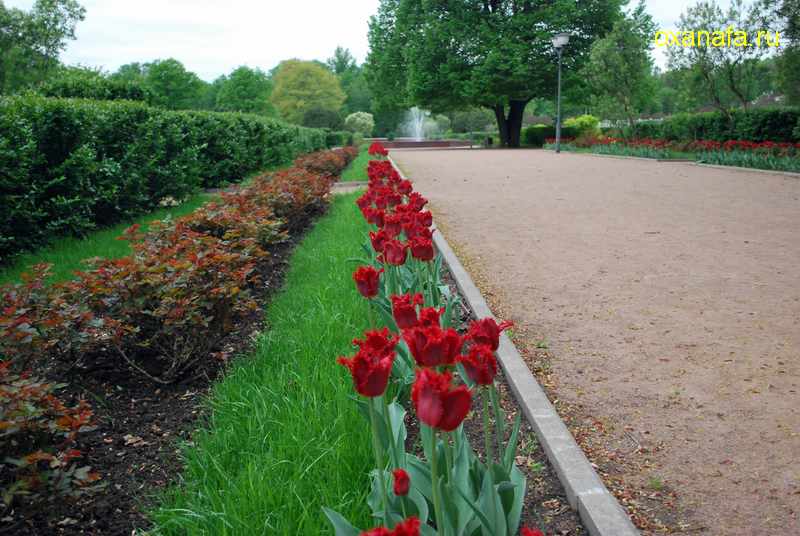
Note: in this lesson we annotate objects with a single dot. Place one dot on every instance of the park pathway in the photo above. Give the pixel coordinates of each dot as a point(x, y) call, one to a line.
point(669, 297)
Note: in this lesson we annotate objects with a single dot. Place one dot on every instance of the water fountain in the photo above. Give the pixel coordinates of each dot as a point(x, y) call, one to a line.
point(414, 125)
point(420, 130)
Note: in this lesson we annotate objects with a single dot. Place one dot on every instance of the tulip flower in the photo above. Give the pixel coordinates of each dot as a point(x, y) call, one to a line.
point(530, 532)
point(430, 316)
point(377, 342)
point(433, 346)
point(394, 252)
point(424, 219)
point(421, 248)
point(368, 281)
point(409, 527)
point(378, 240)
point(393, 224)
point(480, 364)
point(437, 403)
point(402, 482)
point(376, 149)
point(405, 187)
point(404, 310)
point(486, 331)
point(374, 216)
point(372, 364)
point(416, 200)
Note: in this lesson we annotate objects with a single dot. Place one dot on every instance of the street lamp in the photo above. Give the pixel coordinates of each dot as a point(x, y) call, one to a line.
point(559, 42)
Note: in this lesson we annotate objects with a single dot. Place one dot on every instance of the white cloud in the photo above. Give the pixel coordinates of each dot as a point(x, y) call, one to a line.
point(213, 37)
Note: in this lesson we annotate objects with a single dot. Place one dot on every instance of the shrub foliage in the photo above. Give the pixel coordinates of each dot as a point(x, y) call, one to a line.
point(68, 166)
point(158, 312)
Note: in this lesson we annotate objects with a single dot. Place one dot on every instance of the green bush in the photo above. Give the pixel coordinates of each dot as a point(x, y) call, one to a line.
point(338, 138)
point(797, 130)
point(763, 124)
point(94, 87)
point(583, 125)
point(536, 135)
point(68, 166)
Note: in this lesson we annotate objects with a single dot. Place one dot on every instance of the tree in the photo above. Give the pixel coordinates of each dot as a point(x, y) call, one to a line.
point(785, 15)
point(303, 85)
point(245, 90)
point(361, 122)
point(172, 85)
point(721, 69)
point(32, 42)
point(620, 68)
point(342, 62)
point(322, 118)
point(494, 54)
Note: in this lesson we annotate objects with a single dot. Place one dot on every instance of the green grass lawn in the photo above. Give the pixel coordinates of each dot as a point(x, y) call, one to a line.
point(284, 437)
point(67, 254)
point(357, 170)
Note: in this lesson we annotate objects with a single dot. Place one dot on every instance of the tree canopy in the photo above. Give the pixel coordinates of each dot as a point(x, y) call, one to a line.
point(620, 68)
point(300, 86)
point(32, 41)
point(495, 54)
point(245, 90)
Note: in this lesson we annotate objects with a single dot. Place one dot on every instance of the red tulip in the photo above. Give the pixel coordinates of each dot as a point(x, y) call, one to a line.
point(392, 224)
point(378, 240)
point(430, 316)
point(416, 200)
point(377, 149)
point(432, 346)
point(480, 364)
point(401, 482)
point(487, 331)
point(437, 404)
point(404, 309)
point(530, 532)
point(367, 280)
point(377, 342)
point(374, 216)
point(372, 364)
point(394, 252)
point(405, 187)
point(421, 248)
point(425, 219)
point(409, 527)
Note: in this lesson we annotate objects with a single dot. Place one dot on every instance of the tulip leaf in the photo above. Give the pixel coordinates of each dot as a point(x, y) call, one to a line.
point(420, 505)
point(511, 447)
point(420, 474)
point(485, 522)
point(514, 514)
point(341, 526)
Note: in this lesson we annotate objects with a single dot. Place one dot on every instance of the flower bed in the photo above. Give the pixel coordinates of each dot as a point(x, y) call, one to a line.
point(780, 156)
point(450, 490)
point(159, 314)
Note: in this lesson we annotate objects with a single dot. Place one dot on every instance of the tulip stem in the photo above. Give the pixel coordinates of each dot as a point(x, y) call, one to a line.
point(379, 460)
point(370, 315)
point(437, 507)
point(448, 457)
point(498, 419)
point(487, 436)
point(392, 450)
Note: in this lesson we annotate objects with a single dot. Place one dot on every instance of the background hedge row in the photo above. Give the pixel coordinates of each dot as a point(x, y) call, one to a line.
point(778, 124)
point(68, 166)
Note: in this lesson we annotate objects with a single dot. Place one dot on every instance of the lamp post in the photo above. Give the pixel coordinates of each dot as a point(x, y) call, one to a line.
point(559, 42)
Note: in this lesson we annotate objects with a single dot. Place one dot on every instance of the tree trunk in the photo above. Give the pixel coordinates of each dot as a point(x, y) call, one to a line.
point(510, 126)
point(502, 124)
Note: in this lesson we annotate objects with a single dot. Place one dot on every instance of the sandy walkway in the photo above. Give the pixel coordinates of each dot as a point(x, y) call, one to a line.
point(669, 295)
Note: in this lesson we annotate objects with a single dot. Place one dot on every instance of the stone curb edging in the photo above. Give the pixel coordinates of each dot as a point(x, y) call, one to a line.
point(598, 509)
point(686, 161)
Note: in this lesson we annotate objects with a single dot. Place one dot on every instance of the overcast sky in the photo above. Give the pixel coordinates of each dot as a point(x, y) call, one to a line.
point(212, 37)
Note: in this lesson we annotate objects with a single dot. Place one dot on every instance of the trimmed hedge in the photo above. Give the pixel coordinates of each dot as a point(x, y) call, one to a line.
point(338, 138)
point(536, 135)
point(764, 124)
point(68, 166)
point(94, 87)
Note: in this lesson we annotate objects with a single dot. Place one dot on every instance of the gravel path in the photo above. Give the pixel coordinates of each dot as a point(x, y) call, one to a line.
point(669, 295)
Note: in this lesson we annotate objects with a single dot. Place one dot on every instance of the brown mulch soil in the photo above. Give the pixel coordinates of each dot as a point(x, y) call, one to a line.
point(140, 427)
